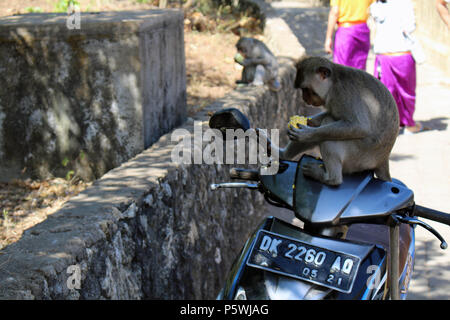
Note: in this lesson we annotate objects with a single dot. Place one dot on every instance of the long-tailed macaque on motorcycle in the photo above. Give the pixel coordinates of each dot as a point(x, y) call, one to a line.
point(358, 128)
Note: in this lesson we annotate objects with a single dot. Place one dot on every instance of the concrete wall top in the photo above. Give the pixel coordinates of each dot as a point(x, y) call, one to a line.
point(105, 24)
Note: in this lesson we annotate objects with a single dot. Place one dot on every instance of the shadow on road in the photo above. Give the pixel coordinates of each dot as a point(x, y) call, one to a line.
point(400, 157)
point(427, 258)
point(438, 124)
point(308, 25)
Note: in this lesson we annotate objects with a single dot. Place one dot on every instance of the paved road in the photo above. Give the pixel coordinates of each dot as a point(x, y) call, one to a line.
point(421, 160)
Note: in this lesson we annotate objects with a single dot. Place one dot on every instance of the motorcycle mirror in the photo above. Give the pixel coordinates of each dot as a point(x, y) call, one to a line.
point(230, 118)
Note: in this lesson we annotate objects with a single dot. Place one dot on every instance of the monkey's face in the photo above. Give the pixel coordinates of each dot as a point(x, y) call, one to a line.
point(314, 85)
point(243, 46)
point(313, 89)
point(242, 53)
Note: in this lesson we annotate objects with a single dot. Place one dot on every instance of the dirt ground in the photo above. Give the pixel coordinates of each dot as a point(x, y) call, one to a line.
point(209, 76)
point(211, 73)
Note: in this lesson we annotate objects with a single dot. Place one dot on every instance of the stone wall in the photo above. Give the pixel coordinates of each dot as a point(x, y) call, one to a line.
point(151, 228)
point(433, 34)
point(87, 99)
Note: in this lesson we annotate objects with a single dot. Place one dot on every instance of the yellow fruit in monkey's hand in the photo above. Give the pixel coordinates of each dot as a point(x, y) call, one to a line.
point(296, 120)
point(239, 58)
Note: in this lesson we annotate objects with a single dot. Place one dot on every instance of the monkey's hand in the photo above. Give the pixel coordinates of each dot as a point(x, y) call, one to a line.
point(246, 62)
point(316, 120)
point(254, 61)
point(303, 134)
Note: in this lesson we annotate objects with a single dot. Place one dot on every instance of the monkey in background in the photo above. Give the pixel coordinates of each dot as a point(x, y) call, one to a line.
point(260, 65)
point(358, 128)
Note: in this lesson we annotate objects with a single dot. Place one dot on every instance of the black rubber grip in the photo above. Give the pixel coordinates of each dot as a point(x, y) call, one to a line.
point(431, 214)
point(244, 174)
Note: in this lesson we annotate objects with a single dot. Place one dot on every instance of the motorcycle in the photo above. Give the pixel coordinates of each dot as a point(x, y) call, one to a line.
point(357, 239)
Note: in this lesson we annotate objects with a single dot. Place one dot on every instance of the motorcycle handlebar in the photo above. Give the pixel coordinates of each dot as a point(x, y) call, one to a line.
point(432, 214)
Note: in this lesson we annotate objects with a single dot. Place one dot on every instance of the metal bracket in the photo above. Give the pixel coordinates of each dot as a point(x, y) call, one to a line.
point(394, 234)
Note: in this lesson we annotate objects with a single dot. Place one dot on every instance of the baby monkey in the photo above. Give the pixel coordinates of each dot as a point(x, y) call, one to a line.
point(358, 128)
point(260, 65)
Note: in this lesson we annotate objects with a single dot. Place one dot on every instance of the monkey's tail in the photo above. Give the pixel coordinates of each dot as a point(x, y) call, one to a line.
point(276, 87)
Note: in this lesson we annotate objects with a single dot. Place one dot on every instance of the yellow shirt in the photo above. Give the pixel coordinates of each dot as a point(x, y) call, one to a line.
point(352, 10)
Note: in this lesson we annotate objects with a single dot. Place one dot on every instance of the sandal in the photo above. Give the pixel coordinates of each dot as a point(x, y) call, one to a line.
point(419, 127)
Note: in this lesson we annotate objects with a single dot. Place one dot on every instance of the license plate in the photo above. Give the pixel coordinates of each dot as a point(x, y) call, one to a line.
point(291, 257)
